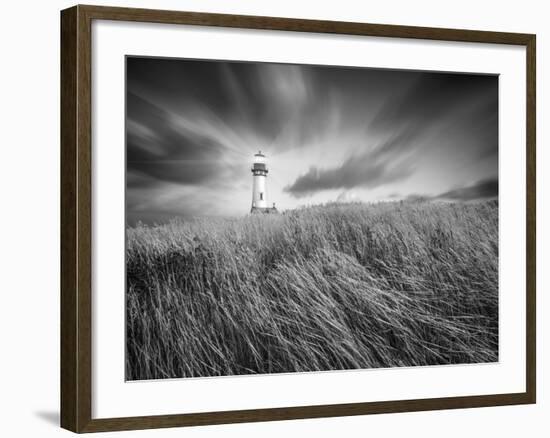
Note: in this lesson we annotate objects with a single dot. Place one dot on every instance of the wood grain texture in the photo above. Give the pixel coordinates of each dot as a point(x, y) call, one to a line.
point(303, 412)
point(301, 25)
point(531, 250)
point(69, 328)
point(76, 219)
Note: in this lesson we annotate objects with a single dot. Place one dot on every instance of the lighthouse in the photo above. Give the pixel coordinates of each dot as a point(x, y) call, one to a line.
point(259, 176)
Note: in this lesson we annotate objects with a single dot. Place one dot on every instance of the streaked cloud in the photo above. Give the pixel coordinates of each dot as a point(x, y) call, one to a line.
point(193, 126)
point(366, 170)
point(403, 125)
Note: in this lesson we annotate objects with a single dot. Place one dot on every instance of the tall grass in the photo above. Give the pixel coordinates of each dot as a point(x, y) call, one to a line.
point(320, 288)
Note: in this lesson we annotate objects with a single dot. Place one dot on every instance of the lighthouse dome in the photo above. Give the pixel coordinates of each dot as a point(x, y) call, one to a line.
point(259, 158)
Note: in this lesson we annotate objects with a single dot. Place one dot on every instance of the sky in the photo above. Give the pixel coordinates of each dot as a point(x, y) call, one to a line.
point(329, 133)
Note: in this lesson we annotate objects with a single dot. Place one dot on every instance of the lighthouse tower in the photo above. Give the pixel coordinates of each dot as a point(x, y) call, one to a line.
point(259, 176)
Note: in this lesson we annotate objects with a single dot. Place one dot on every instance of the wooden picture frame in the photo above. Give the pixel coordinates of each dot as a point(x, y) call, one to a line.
point(76, 218)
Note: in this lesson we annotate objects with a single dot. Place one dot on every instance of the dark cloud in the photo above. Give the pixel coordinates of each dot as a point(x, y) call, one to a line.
point(487, 188)
point(484, 189)
point(358, 171)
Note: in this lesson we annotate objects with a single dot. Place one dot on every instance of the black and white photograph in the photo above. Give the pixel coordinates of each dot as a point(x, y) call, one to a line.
point(289, 218)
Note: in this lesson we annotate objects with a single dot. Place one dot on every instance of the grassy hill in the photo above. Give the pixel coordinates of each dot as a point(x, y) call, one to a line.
point(331, 287)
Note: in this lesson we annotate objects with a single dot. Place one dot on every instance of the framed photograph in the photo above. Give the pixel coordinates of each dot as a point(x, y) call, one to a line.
point(271, 218)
